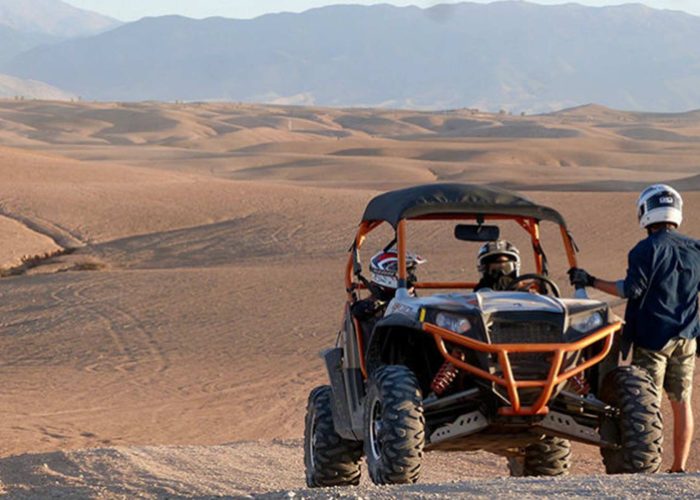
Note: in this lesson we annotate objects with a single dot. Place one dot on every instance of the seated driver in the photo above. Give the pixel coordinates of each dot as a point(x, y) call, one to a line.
point(384, 281)
point(498, 264)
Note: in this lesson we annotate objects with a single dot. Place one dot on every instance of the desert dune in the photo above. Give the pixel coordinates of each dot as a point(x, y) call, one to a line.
point(173, 270)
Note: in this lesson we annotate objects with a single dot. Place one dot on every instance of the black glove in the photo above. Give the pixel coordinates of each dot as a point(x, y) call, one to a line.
point(365, 309)
point(579, 278)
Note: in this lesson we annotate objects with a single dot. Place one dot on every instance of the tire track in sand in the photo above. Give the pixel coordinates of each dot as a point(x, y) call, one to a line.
point(124, 329)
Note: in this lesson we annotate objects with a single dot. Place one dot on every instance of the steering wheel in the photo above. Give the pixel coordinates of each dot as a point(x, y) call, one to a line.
point(543, 283)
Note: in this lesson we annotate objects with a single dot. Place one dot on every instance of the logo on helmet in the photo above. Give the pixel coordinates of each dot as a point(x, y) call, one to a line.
point(659, 204)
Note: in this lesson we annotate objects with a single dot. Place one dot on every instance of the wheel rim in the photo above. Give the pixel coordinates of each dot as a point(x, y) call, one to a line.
point(375, 428)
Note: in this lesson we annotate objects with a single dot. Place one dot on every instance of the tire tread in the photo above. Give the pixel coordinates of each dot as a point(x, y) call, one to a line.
point(336, 461)
point(403, 434)
point(640, 429)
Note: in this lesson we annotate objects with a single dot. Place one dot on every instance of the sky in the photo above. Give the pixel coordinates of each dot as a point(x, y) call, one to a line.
point(129, 10)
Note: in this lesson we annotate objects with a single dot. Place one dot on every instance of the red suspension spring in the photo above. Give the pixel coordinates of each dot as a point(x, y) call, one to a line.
point(446, 375)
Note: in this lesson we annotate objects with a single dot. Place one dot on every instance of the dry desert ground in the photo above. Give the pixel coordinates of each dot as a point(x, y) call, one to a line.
point(171, 271)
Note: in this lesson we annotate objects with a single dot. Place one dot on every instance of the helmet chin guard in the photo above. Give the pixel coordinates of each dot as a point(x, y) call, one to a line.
point(659, 203)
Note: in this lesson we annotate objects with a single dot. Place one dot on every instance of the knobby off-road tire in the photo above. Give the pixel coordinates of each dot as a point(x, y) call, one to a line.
point(639, 428)
point(330, 460)
point(551, 456)
point(394, 426)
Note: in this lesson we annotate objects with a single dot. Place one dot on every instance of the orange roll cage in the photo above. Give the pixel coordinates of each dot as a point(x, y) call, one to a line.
point(502, 351)
point(528, 224)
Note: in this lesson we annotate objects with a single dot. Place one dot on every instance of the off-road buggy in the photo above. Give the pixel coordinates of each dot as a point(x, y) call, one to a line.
point(519, 373)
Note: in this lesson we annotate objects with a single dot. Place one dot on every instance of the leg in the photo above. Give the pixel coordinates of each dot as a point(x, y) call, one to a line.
point(678, 385)
point(683, 427)
point(654, 362)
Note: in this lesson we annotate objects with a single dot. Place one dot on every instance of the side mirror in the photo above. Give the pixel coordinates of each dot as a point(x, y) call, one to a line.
point(472, 232)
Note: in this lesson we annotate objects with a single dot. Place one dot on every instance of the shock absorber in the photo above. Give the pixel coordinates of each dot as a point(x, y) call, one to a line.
point(580, 385)
point(446, 375)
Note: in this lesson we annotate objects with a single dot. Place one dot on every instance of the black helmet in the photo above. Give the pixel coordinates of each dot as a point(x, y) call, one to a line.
point(490, 253)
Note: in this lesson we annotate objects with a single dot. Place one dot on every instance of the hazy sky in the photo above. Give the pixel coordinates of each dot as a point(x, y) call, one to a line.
point(128, 10)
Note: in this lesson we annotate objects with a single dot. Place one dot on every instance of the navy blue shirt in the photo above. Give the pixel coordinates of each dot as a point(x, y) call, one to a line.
point(662, 285)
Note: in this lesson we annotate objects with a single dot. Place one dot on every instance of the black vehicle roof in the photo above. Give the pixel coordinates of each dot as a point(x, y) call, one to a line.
point(453, 198)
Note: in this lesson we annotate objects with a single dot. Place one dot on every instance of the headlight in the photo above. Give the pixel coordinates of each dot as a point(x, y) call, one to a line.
point(587, 323)
point(453, 322)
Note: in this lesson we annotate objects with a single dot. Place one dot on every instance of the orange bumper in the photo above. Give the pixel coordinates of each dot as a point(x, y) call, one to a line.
point(554, 378)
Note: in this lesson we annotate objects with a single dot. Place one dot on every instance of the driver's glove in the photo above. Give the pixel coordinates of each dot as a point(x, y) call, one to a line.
point(579, 278)
point(365, 309)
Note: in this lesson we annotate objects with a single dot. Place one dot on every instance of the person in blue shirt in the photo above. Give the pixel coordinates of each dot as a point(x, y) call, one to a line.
point(661, 319)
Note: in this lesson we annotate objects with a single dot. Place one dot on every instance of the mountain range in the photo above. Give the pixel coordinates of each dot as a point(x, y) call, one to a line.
point(15, 88)
point(52, 17)
point(515, 56)
point(13, 42)
point(25, 24)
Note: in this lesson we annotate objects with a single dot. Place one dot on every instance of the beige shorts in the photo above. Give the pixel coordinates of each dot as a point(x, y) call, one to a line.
point(671, 368)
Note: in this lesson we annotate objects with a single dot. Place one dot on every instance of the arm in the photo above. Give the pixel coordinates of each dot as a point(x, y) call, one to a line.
point(610, 287)
point(580, 278)
point(633, 286)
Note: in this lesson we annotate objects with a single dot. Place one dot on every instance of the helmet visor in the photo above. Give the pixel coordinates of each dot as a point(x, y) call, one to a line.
point(660, 200)
point(502, 267)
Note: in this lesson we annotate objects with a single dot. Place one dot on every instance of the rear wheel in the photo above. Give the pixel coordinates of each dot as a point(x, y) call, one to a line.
point(551, 456)
point(329, 459)
point(638, 429)
point(394, 426)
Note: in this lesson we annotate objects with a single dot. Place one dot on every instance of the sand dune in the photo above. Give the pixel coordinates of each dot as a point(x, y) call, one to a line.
point(225, 138)
point(201, 257)
point(21, 242)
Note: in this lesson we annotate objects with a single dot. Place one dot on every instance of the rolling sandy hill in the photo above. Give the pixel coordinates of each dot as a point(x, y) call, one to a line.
point(574, 149)
point(168, 345)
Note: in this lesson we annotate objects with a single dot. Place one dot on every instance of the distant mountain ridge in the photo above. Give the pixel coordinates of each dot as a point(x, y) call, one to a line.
point(11, 87)
point(52, 17)
point(13, 42)
point(515, 56)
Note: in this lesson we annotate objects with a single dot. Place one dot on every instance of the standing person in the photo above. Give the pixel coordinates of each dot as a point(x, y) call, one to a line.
point(662, 286)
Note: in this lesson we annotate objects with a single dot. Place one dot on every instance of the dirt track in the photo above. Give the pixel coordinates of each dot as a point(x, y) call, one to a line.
point(274, 470)
point(574, 487)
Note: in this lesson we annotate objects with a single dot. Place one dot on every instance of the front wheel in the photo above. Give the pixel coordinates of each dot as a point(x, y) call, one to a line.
point(394, 426)
point(329, 459)
point(638, 428)
point(550, 456)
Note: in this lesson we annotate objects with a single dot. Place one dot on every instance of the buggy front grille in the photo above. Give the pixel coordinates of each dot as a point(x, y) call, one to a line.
point(525, 366)
point(504, 331)
point(562, 365)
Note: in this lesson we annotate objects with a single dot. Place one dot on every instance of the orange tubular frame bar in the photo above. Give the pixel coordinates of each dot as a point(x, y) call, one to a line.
point(508, 381)
point(532, 227)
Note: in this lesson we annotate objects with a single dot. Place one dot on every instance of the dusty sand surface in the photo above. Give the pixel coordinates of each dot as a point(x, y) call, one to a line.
point(275, 470)
point(198, 263)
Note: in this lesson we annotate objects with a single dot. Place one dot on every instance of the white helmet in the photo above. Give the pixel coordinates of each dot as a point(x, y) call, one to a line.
point(659, 203)
point(384, 267)
point(493, 249)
